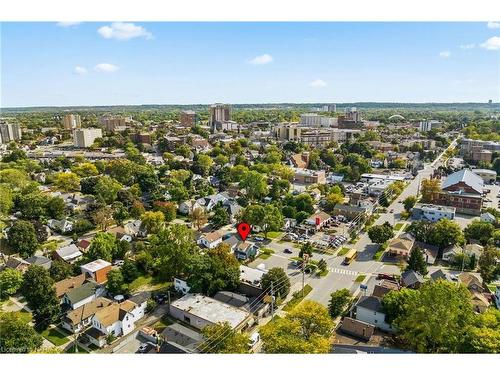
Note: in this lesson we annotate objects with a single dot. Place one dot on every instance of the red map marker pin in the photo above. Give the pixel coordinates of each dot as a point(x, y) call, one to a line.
point(243, 230)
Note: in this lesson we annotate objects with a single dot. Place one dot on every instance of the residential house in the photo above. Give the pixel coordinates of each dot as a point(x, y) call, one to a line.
point(210, 240)
point(80, 318)
point(69, 254)
point(83, 245)
point(246, 250)
point(61, 226)
point(134, 228)
point(440, 275)
point(181, 286)
point(65, 285)
point(384, 287)
point(451, 252)
point(117, 319)
point(120, 234)
point(369, 310)
point(79, 296)
point(411, 279)
point(488, 218)
point(96, 270)
point(401, 246)
point(38, 260)
point(357, 328)
point(479, 302)
point(16, 263)
point(497, 296)
point(471, 282)
point(250, 280)
point(473, 249)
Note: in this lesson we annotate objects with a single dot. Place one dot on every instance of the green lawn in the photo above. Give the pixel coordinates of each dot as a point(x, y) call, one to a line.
point(149, 282)
point(273, 235)
point(55, 337)
point(163, 323)
point(72, 348)
point(398, 226)
point(25, 316)
point(265, 253)
point(323, 274)
point(360, 278)
point(297, 297)
point(343, 251)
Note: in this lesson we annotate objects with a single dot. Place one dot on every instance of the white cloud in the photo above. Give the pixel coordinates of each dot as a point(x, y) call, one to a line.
point(68, 24)
point(492, 44)
point(317, 83)
point(106, 68)
point(467, 46)
point(262, 59)
point(493, 25)
point(124, 31)
point(444, 54)
point(80, 70)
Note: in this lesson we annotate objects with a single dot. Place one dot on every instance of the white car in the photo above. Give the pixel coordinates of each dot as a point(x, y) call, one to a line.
point(118, 263)
point(254, 339)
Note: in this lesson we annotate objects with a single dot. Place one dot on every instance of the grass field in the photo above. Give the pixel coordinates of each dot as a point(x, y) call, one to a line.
point(72, 348)
point(297, 297)
point(398, 226)
point(273, 235)
point(147, 283)
point(360, 278)
point(55, 337)
point(343, 251)
point(265, 253)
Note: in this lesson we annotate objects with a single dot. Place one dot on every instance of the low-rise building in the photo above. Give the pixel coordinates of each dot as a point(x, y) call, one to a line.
point(84, 138)
point(401, 246)
point(309, 176)
point(489, 176)
point(369, 310)
point(199, 311)
point(97, 270)
point(69, 254)
point(432, 212)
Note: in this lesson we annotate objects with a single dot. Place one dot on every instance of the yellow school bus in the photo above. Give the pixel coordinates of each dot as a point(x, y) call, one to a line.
point(350, 256)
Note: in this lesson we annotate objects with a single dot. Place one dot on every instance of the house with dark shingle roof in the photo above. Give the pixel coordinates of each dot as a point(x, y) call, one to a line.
point(40, 261)
point(83, 294)
point(411, 279)
point(369, 310)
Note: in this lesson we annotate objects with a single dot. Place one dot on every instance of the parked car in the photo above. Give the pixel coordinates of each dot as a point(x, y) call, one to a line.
point(144, 347)
point(118, 263)
point(287, 251)
point(254, 339)
point(385, 276)
point(160, 298)
point(258, 238)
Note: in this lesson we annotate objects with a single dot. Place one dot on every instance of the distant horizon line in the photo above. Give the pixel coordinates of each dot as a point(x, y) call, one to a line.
point(237, 104)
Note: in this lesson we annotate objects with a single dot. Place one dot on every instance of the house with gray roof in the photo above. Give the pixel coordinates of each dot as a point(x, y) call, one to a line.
point(83, 294)
point(412, 279)
point(40, 261)
point(369, 310)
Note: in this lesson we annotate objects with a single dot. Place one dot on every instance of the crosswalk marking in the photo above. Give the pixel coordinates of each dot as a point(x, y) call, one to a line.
point(343, 271)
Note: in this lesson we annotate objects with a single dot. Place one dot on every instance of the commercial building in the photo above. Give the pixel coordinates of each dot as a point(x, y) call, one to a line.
point(188, 118)
point(487, 175)
point(478, 150)
point(428, 125)
point(71, 121)
point(315, 120)
point(432, 212)
point(9, 132)
point(351, 119)
point(462, 190)
point(313, 136)
point(309, 176)
point(84, 138)
point(114, 123)
point(200, 311)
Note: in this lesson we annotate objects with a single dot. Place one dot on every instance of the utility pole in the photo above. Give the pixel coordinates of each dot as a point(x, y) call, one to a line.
point(272, 300)
point(168, 294)
point(305, 258)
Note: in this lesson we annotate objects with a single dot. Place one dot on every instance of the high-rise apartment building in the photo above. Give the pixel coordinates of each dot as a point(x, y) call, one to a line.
point(9, 132)
point(219, 113)
point(72, 122)
point(188, 118)
point(113, 123)
point(315, 120)
point(84, 138)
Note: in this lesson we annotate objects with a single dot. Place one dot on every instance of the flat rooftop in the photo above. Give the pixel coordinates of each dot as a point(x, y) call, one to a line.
point(434, 207)
point(210, 309)
point(96, 265)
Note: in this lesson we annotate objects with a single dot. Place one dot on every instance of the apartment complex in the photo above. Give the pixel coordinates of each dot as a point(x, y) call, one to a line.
point(351, 119)
point(315, 120)
point(478, 150)
point(84, 138)
point(72, 122)
point(9, 132)
point(114, 123)
point(188, 118)
point(313, 136)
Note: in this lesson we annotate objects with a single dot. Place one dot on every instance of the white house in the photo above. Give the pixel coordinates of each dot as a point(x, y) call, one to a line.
point(62, 226)
point(117, 319)
point(369, 310)
point(432, 212)
point(181, 286)
point(210, 240)
point(77, 297)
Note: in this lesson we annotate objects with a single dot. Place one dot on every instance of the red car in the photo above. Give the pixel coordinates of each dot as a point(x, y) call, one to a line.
point(385, 277)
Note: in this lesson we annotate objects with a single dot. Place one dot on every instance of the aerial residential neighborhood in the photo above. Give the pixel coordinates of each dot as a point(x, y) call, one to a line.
point(317, 227)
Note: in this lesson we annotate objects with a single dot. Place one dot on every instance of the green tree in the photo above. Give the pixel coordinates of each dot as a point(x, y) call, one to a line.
point(107, 188)
point(220, 217)
point(429, 189)
point(173, 249)
point(484, 334)
point(116, 282)
point(273, 219)
point(446, 233)
point(17, 335)
point(279, 280)
point(339, 301)
point(306, 329)
point(489, 264)
point(395, 303)
point(380, 233)
point(67, 181)
point(220, 338)
point(409, 202)
point(214, 271)
point(32, 205)
point(55, 208)
point(39, 291)
point(417, 262)
point(153, 221)
point(480, 231)
point(199, 217)
point(129, 270)
point(202, 164)
point(103, 246)
point(22, 238)
point(60, 270)
point(85, 170)
point(6, 200)
point(306, 248)
point(438, 319)
point(10, 282)
point(255, 185)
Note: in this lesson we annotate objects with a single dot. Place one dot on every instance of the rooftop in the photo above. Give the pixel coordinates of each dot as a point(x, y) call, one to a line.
point(210, 309)
point(96, 265)
point(466, 176)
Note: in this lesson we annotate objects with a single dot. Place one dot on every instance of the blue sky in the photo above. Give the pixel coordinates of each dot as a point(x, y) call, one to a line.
point(183, 63)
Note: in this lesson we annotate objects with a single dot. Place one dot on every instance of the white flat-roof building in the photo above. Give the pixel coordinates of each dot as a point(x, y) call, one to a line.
point(85, 137)
point(432, 212)
point(199, 311)
point(367, 177)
